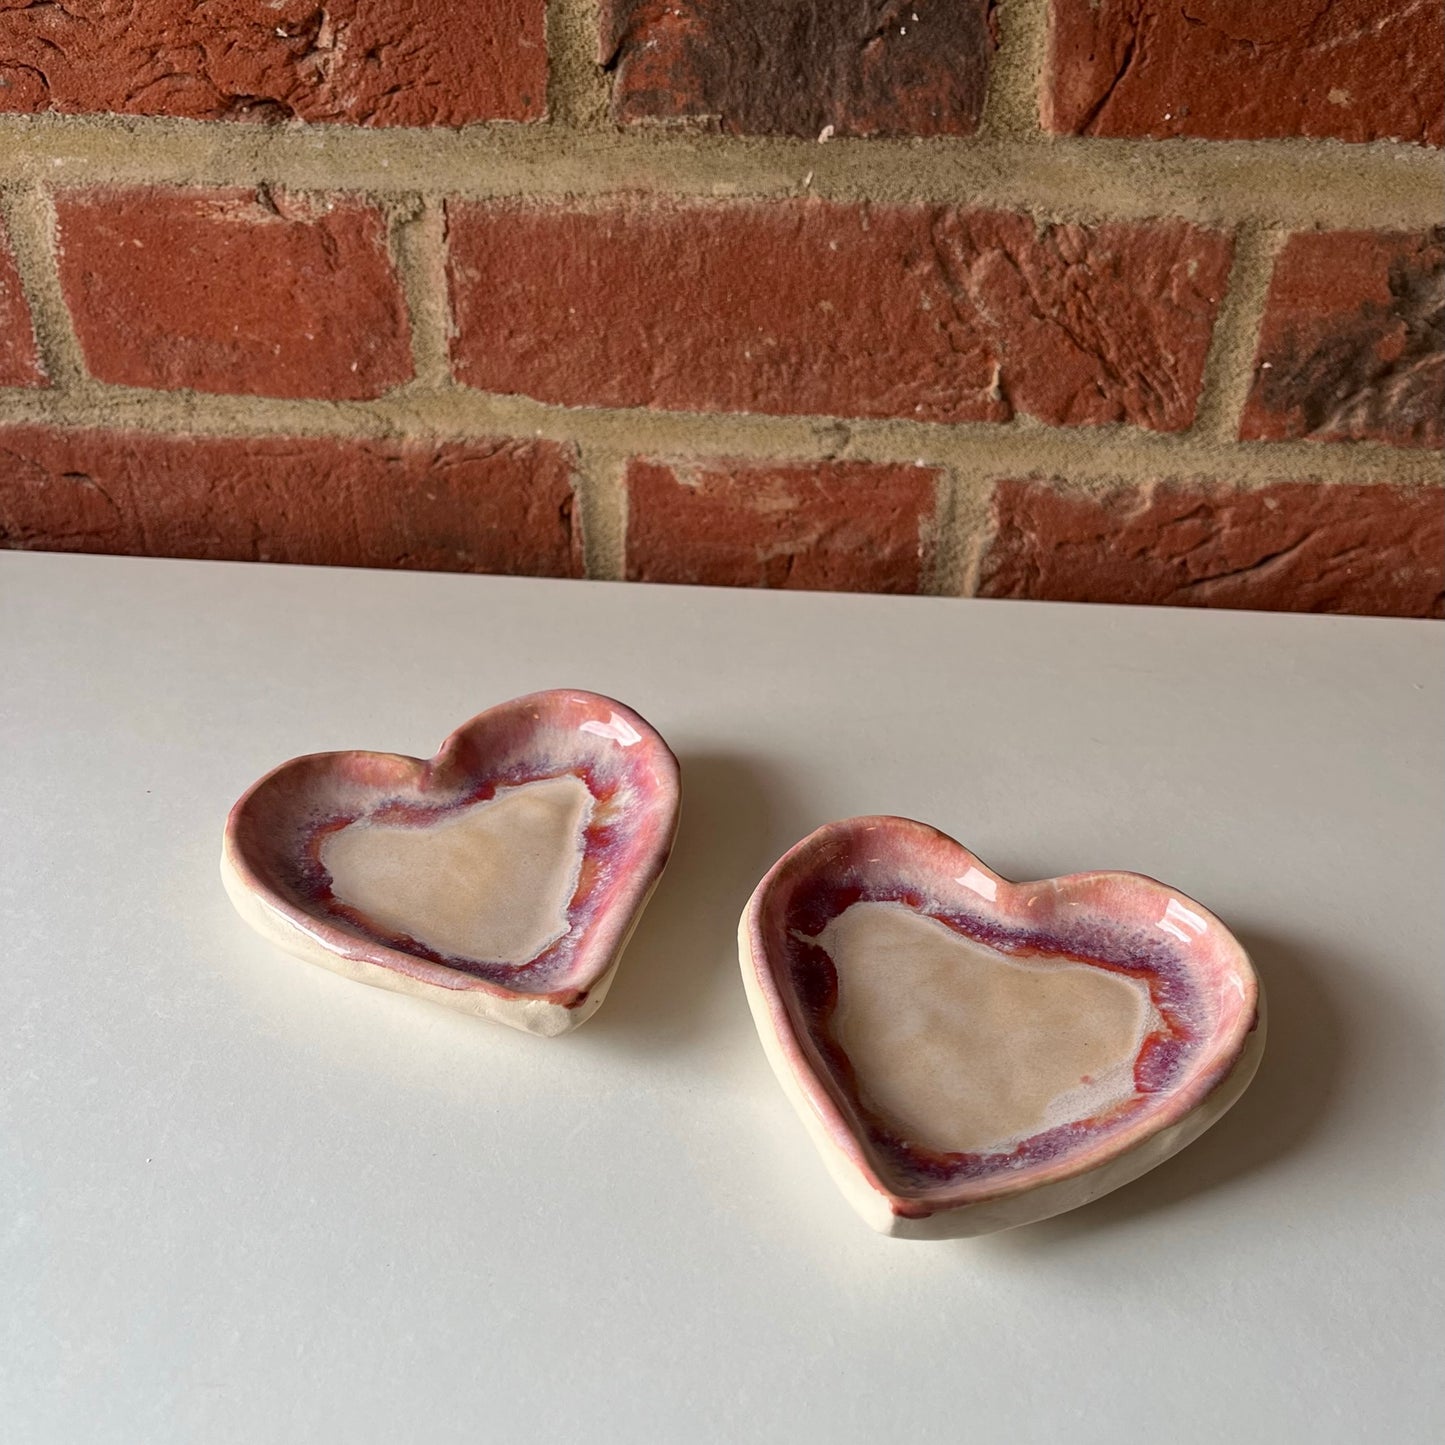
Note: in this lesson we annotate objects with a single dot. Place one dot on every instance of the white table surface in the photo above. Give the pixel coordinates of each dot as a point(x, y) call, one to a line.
point(243, 1199)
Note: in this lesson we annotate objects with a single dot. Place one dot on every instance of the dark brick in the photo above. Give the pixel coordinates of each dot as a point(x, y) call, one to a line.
point(1355, 70)
point(1288, 547)
point(19, 360)
point(821, 308)
point(819, 526)
point(1352, 346)
point(475, 506)
point(363, 62)
point(233, 291)
point(798, 67)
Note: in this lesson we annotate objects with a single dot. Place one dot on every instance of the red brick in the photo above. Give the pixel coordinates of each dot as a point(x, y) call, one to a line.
point(813, 307)
point(233, 291)
point(796, 67)
point(1355, 70)
point(1288, 547)
point(820, 526)
point(363, 62)
point(1352, 345)
point(19, 360)
point(475, 506)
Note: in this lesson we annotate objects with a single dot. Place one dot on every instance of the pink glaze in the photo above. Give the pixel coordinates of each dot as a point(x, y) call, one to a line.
point(1202, 995)
point(277, 833)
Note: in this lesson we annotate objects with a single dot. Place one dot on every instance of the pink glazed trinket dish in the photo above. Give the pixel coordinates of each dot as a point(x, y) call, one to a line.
point(503, 877)
point(971, 1054)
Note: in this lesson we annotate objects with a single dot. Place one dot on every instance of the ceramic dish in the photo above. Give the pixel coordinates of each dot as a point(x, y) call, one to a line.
point(972, 1054)
point(503, 877)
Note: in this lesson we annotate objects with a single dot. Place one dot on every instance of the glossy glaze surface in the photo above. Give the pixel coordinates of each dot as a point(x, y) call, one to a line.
point(963, 1048)
point(491, 882)
point(959, 1043)
point(502, 877)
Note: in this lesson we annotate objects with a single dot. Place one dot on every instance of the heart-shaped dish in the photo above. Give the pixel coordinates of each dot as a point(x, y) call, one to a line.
point(503, 877)
point(971, 1054)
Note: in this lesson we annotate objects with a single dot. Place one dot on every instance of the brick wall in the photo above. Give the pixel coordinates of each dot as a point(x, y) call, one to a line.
point(1110, 300)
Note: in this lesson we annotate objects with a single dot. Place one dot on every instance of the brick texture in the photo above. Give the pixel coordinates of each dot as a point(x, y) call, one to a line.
point(233, 291)
point(1354, 70)
point(802, 67)
point(825, 526)
point(814, 307)
point(364, 62)
point(1352, 346)
point(674, 270)
point(476, 506)
point(19, 360)
point(1292, 546)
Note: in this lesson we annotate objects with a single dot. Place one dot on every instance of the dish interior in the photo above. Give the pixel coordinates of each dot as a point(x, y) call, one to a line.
point(489, 881)
point(966, 1049)
point(970, 1030)
point(517, 857)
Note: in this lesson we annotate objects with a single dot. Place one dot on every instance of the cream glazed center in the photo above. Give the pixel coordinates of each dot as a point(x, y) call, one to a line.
point(491, 882)
point(970, 1050)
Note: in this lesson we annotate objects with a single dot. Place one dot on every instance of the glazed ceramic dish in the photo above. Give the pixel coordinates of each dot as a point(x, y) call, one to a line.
point(972, 1054)
point(503, 877)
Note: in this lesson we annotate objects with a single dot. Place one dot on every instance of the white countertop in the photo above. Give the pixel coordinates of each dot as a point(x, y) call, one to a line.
point(243, 1199)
